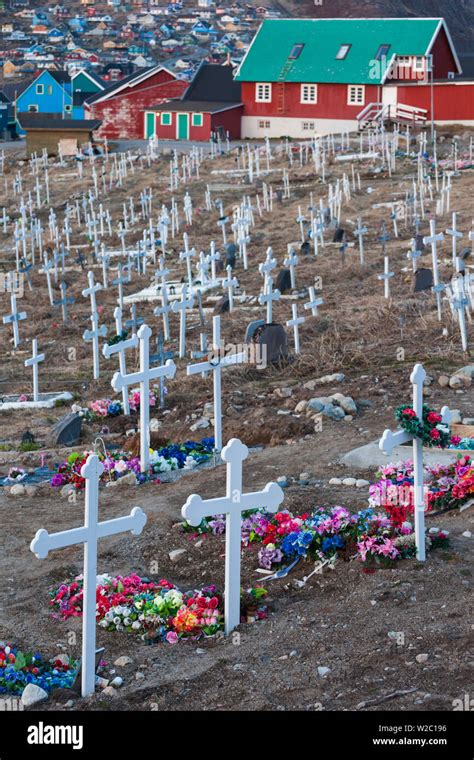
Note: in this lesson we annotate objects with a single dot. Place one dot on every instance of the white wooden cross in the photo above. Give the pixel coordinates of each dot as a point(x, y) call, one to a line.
point(360, 232)
point(120, 348)
point(92, 336)
point(387, 274)
point(459, 304)
point(295, 322)
point(390, 440)
point(186, 256)
point(229, 283)
point(120, 281)
point(456, 235)
point(232, 505)
point(14, 318)
point(291, 262)
point(143, 377)
point(89, 535)
point(212, 258)
point(414, 254)
point(313, 302)
point(268, 265)
point(179, 307)
point(300, 219)
point(268, 297)
point(92, 290)
point(33, 361)
point(215, 365)
point(434, 239)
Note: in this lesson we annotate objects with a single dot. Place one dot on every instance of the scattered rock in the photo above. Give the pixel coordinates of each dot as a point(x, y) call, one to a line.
point(201, 424)
point(467, 534)
point(17, 490)
point(348, 418)
point(117, 682)
point(349, 482)
point(208, 410)
point(155, 425)
point(283, 392)
point(139, 676)
point(422, 657)
point(455, 382)
point(109, 691)
point(335, 482)
point(301, 406)
point(361, 483)
point(31, 490)
point(316, 404)
point(443, 381)
point(282, 481)
point(455, 417)
point(333, 412)
point(123, 661)
point(337, 377)
point(176, 554)
point(304, 478)
point(468, 421)
point(467, 371)
point(33, 694)
point(323, 671)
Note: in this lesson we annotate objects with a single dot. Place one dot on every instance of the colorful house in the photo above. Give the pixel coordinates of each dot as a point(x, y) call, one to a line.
point(301, 77)
point(210, 105)
point(121, 107)
point(84, 85)
point(50, 92)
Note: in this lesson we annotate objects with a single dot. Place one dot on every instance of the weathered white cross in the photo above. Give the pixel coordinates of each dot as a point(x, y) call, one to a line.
point(144, 376)
point(434, 239)
point(179, 307)
point(387, 274)
point(229, 283)
point(120, 348)
point(313, 302)
point(215, 365)
point(186, 256)
point(232, 505)
point(92, 290)
point(92, 336)
point(390, 440)
point(14, 318)
point(89, 535)
point(33, 361)
point(360, 232)
point(268, 297)
point(295, 322)
point(455, 235)
point(291, 262)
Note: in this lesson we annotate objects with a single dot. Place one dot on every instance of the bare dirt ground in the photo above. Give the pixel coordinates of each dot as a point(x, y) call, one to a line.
point(340, 619)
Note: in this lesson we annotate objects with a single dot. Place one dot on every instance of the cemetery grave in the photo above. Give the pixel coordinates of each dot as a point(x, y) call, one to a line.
point(129, 283)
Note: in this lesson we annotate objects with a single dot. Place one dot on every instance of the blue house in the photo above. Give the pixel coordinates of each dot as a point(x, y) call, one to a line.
point(50, 92)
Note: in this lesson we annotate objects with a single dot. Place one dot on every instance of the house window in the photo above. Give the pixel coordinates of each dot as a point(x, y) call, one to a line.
point(309, 93)
point(40, 89)
point(33, 108)
point(296, 51)
point(165, 119)
point(382, 52)
point(68, 109)
point(308, 126)
point(264, 125)
point(49, 89)
point(419, 63)
point(355, 95)
point(197, 119)
point(404, 60)
point(342, 52)
point(263, 92)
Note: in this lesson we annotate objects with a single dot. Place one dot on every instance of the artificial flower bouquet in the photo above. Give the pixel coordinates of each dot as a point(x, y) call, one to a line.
point(137, 605)
point(429, 429)
point(17, 669)
point(102, 408)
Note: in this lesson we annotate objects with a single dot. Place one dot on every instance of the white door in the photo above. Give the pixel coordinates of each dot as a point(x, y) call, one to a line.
point(389, 97)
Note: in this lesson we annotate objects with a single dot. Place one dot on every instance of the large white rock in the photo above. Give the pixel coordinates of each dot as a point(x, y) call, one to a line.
point(33, 694)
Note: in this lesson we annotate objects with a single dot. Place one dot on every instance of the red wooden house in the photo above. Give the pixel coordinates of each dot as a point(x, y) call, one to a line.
point(122, 106)
point(306, 76)
point(210, 105)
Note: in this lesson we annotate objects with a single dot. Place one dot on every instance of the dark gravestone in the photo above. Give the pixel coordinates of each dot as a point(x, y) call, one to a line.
point(419, 244)
point(230, 251)
point(219, 266)
point(251, 327)
point(283, 282)
point(422, 280)
point(338, 235)
point(305, 248)
point(274, 338)
point(67, 430)
point(222, 306)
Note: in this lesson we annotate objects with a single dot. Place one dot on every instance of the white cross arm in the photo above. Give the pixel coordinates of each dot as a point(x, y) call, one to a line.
point(134, 522)
point(390, 440)
point(89, 335)
point(227, 361)
point(34, 360)
point(44, 542)
point(108, 351)
point(167, 370)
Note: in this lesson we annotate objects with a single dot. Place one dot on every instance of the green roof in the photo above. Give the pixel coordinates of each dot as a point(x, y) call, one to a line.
point(267, 59)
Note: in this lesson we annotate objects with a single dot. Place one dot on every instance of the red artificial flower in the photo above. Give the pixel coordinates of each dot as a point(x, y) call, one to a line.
point(435, 434)
point(409, 412)
point(434, 418)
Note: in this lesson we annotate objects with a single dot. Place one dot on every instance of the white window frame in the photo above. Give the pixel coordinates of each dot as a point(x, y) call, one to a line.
point(263, 92)
point(419, 63)
point(201, 119)
point(170, 122)
point(308, 126)
point(33, 108)
point(309, 93)
point(359, 91)
point(264, 124)
point(343, 51)
point(68, 108)
point(40, 89)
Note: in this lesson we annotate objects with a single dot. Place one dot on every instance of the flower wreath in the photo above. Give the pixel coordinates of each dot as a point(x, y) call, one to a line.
point(429, 429)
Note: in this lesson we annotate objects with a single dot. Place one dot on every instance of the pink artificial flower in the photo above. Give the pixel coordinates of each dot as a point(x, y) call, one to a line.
point(172, 637)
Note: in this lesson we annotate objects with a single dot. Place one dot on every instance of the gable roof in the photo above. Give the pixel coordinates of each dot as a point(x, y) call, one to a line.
point(215, 83)
point(267, 59)
point(127, 82)
point(49, 121)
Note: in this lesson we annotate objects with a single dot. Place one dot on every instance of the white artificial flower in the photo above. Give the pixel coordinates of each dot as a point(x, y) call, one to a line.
point(136, 625)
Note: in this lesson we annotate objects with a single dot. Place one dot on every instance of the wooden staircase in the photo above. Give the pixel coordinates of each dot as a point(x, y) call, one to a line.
point(376, 114)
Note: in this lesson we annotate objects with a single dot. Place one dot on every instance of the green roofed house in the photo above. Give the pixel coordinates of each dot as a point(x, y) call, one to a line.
point(306, 76)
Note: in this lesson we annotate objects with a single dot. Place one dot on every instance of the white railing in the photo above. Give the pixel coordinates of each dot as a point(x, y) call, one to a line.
point(378, 112)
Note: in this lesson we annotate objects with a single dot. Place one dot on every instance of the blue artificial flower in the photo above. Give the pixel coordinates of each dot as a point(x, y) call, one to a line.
point(297, 543)
point(332, 542)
